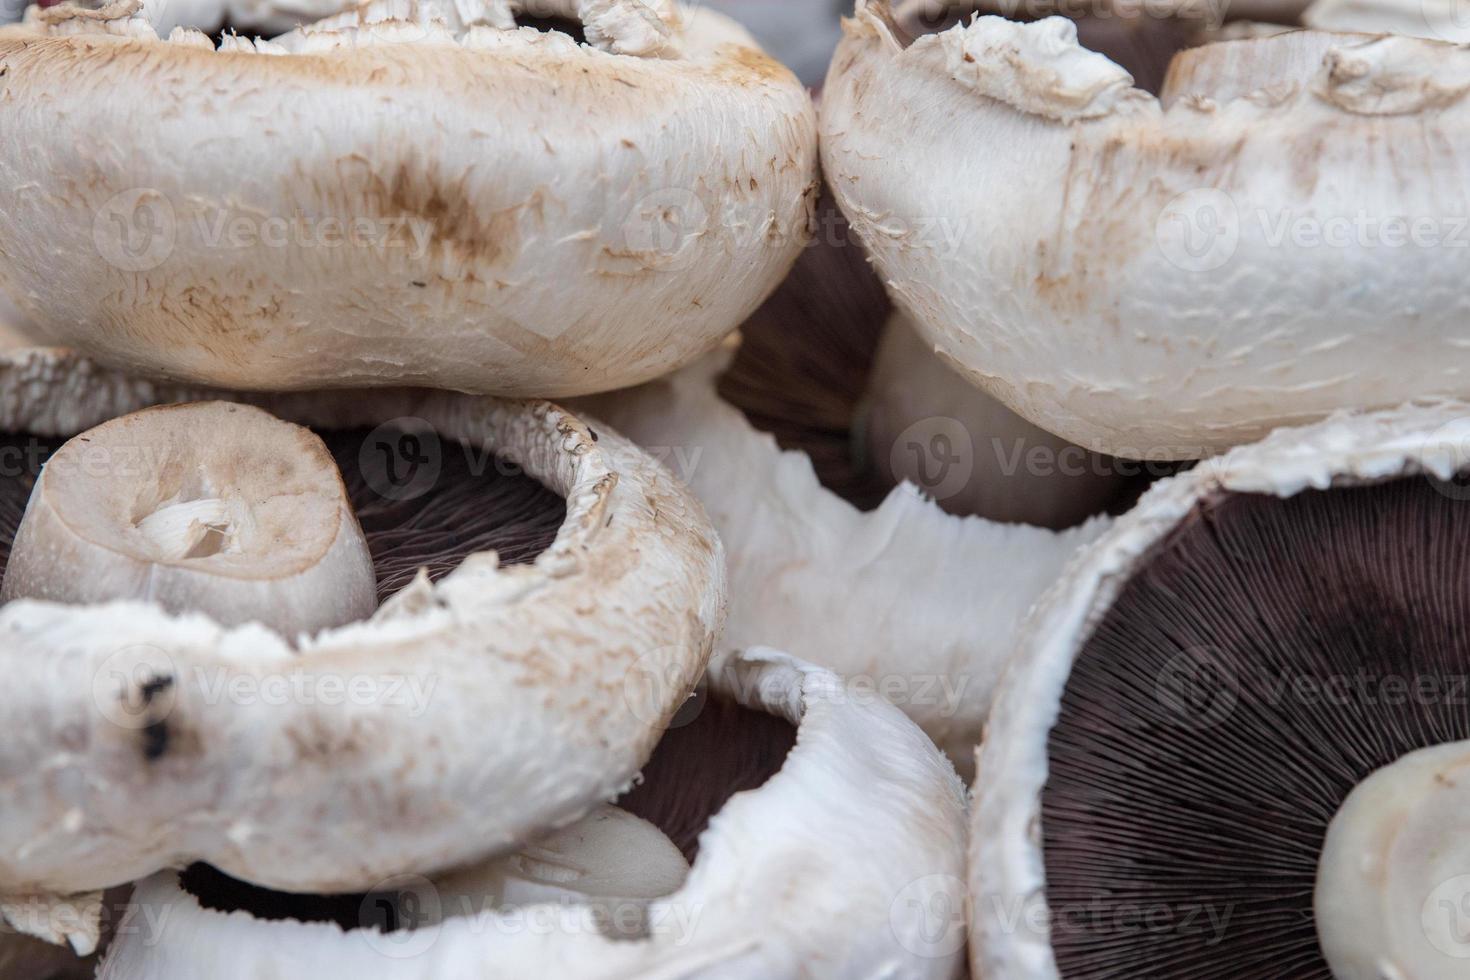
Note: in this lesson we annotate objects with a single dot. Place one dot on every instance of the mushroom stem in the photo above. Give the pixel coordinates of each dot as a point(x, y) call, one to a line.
point(214, 507)
point(1393, 885)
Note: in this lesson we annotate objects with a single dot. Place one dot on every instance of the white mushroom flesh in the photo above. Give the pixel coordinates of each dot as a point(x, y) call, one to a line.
point(1393, 885)
point(907, 599)
point(1143, 277)
point(850, 856)
point(215, 508)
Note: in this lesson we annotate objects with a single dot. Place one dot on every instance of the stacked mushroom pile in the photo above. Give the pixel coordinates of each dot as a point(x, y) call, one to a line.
point(344, 682)
point(1130, 474)
point(1230, 741)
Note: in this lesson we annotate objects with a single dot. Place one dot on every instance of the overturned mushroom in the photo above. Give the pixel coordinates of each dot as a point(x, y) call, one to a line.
point(1143, 275)
point(847, 886)
point(214, 508)
point(478, 207)
point(915, 602)
point(142, 739)
point(1232, 738)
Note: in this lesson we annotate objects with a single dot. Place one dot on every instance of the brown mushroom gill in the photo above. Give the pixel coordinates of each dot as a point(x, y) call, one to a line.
point(1269, 655)
point(713, 750)
point(476, 503)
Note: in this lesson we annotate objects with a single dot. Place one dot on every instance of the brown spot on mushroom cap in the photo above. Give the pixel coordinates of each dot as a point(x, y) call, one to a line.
point(1265, 658)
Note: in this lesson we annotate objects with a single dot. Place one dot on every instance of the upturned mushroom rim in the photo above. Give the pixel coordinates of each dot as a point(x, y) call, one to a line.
point(1007, 865)
point(136, 754)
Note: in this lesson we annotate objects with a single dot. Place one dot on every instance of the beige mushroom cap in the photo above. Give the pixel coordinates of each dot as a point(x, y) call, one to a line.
point(404, 194)
point(1143, 276)
point(393, 745)
point(850, 856)
point(215, 508)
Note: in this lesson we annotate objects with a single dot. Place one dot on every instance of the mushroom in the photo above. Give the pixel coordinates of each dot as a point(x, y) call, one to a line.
point(847, 886)
point(1217, 723)
point(453, 160)
point(905, 599)
point(1143, 275)
point(141, 739)
point(14, 326)
point(214, 508)
point(1438, 20)
point(925, 424)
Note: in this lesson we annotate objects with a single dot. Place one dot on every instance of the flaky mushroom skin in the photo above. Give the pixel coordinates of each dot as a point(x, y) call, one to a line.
point(488, 210)
point(497, 702)
point(847, 861)
point(1007, 871)
point(1143, 277)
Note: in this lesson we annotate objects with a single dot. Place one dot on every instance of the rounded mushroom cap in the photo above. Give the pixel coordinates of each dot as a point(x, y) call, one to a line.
point(1008, 868)
point(477, 208)
point(364, 751)
point(1438, 20)
point(782, 885)
point(1393, 886)
point(215, 508)
point(1154, 279)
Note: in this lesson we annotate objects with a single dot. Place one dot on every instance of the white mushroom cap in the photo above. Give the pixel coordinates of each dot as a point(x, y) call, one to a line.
point(1180, 276)
point(926, 424)
point(916, 603)
point(464, 717)
point(849, 857)
point(1010, 935)
point(1393, 888)
point(15, 326)
point(1438, 20)
point(214, 508)
point(404, 194)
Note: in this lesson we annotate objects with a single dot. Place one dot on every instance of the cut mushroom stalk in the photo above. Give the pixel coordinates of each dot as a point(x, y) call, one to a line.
point(1393, 885)
point(215, 508)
